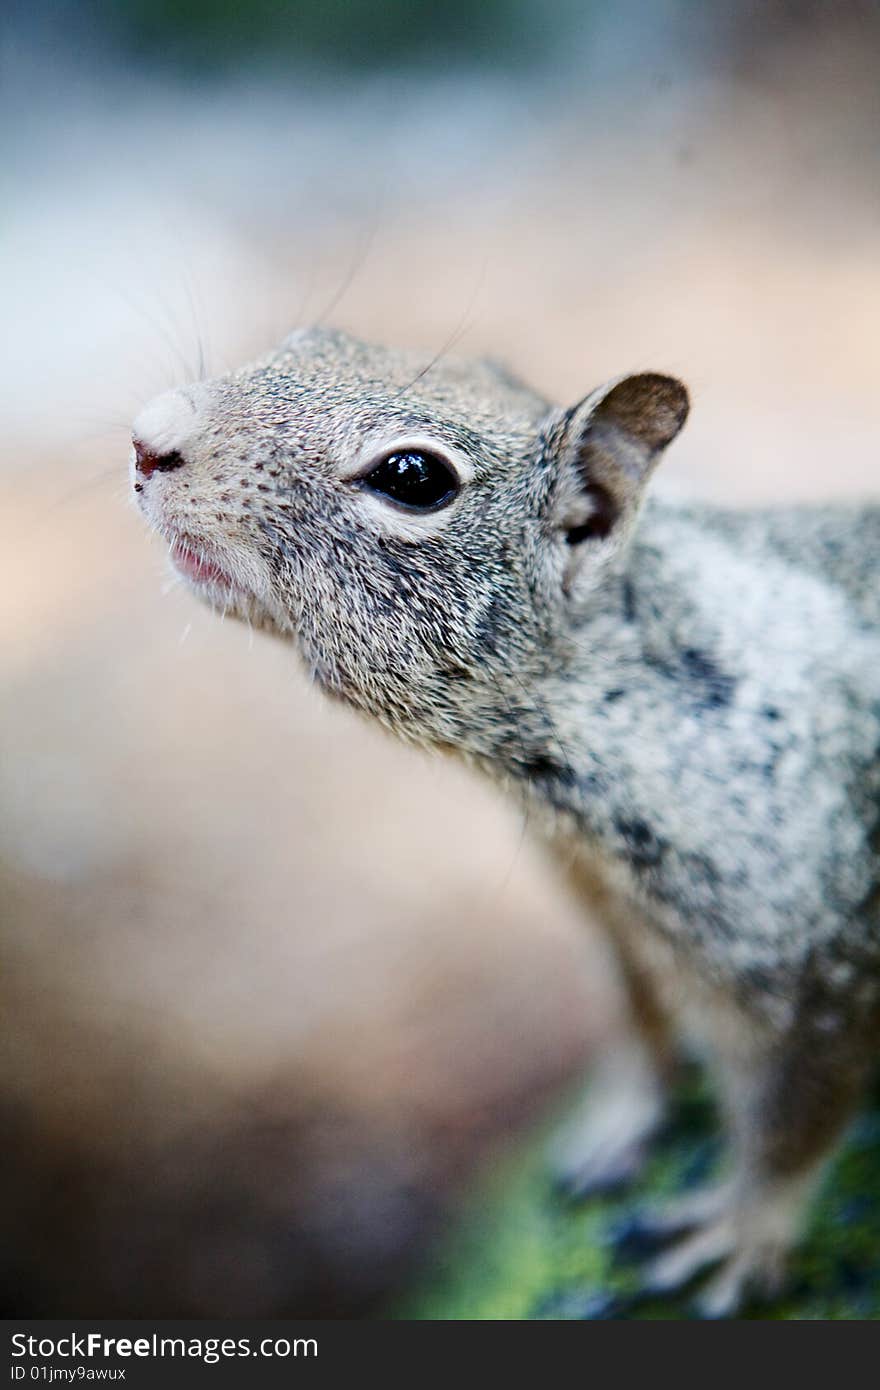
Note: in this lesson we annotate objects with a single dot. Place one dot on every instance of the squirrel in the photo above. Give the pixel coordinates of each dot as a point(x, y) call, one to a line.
point(685, 698)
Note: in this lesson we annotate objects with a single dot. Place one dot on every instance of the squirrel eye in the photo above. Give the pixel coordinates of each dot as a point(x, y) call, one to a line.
point(413, 479)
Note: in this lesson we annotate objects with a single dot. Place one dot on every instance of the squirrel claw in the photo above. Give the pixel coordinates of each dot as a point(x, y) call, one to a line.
point(603, 1175)
point(605, 1144)
point(738, 1252)
point(752, 1276)
point(641, 1235)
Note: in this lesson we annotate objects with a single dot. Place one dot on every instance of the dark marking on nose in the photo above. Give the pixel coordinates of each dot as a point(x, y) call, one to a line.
point(147, 462)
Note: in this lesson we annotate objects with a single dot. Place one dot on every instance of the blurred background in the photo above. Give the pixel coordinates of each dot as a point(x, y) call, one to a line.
point(275, 992)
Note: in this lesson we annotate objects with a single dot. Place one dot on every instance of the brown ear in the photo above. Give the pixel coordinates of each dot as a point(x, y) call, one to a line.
point(648, 408)
point(609, 447)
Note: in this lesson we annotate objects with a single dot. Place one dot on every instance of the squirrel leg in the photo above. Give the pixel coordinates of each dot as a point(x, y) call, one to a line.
point(785, 1106)
point(605, 1142)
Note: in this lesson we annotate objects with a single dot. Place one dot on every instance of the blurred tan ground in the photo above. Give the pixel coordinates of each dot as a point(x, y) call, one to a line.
point(272, 983)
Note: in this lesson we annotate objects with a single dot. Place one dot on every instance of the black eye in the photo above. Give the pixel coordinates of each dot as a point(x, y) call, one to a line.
point(414, 479)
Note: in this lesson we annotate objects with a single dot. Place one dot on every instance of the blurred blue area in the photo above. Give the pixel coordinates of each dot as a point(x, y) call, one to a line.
point(203, 36)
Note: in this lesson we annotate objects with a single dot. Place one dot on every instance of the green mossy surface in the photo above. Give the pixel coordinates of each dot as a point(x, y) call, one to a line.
point(523, 1251)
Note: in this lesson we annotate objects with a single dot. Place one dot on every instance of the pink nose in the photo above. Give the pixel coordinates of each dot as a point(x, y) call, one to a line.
point(147, 462)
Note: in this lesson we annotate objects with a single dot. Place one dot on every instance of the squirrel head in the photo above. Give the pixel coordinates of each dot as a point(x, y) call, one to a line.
point(426, 533)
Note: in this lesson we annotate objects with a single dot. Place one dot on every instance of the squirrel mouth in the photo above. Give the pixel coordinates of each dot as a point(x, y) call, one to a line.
point(194, 564)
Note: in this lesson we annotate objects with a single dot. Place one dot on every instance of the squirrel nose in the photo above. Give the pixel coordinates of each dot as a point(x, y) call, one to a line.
point(147, 461)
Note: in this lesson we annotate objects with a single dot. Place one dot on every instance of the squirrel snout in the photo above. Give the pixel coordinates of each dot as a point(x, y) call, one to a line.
point(163, 429)
point(147, 461)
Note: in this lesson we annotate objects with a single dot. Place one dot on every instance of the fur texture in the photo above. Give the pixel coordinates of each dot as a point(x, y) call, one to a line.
point(687, 699)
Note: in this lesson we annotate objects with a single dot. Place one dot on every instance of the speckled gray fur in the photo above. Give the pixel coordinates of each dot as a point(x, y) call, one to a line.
point(689, 705)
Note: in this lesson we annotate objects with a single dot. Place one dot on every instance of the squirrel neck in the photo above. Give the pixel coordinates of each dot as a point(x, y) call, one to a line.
point(629, 692)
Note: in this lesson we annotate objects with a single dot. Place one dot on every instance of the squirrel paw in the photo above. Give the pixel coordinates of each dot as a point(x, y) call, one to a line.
point(605, 1144)
point(744, 1241)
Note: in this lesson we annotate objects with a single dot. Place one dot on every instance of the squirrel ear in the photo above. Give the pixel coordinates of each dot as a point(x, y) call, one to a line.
point(606, 451)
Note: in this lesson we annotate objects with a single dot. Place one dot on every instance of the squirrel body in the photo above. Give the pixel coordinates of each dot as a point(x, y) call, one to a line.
point(686, 698)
